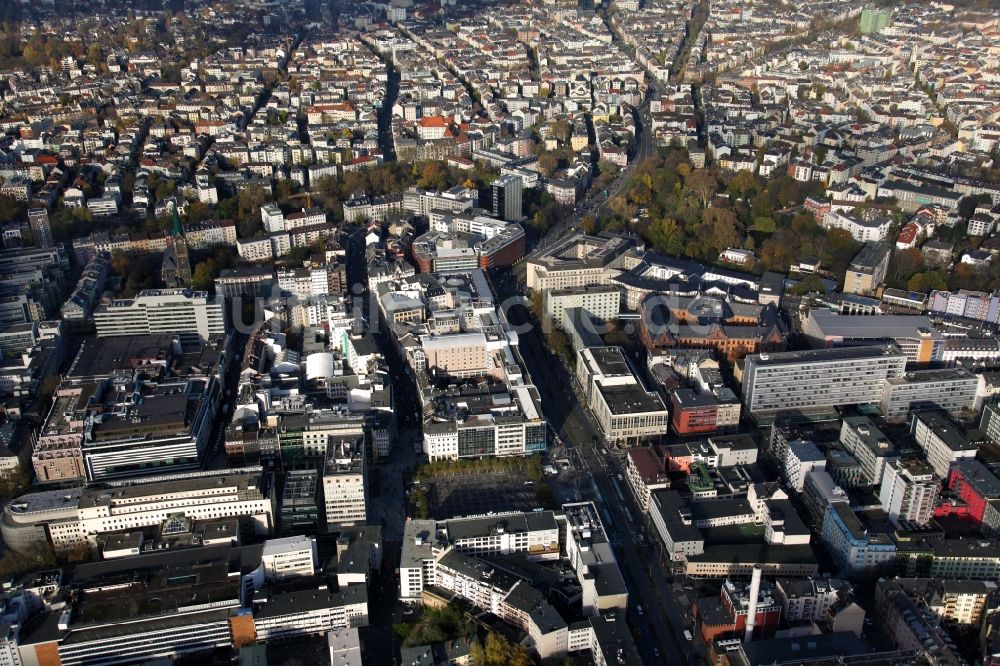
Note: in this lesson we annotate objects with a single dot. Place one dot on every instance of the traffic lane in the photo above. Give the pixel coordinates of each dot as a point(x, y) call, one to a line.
point(673, 650)
point(575, 431)
point(655, 572)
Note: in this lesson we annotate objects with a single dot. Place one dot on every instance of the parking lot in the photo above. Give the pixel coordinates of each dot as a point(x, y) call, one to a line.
point(479, 493)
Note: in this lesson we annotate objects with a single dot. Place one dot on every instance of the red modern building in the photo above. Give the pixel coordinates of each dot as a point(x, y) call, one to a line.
point(727, 615)
point(692, 413)
point(974, 484)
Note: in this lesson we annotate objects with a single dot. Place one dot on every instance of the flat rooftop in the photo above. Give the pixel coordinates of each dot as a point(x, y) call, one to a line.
point(976, 474)
point(610, 361)
point(934, 375)
point(836, 325)
point(630, 399)
point(826, 355)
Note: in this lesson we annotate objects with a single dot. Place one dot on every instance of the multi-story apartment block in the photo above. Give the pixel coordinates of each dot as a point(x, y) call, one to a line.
point(942, 441)
point(417, 558)
point(979, 489)
point(867, 270)
point(445, 555)
point(645, 472)
point(802, 459)
point(977, 305)
point(856, 551)
point(810, 598)
point(909, 492)
point(869, 446)
point(900, 616)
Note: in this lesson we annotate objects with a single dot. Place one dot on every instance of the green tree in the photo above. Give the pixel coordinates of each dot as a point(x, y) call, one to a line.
point(10, 209)
point(808, 284)
point(666, 236)
point(165, 189)
point(928, 281)
point(203, 277)
point(904, 264)
point(743, 182)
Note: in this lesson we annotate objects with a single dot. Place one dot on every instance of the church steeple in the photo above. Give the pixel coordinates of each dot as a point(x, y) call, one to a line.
point(176, 270)
point(178, 230)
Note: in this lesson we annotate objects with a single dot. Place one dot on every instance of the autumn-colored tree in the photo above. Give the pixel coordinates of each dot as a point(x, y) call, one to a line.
point(838, 249)
point(904, 264)
point(967, 276)
point(743, 182)
point(720, 228)
point(548, 163)
point(588, 224)
point(622, 208)
point(495, 652)
point(433, 176)
point(928, 281)
point(641, 194)
point(666, 236)
point(703, 184)
point(560, 129)
point(775, 254)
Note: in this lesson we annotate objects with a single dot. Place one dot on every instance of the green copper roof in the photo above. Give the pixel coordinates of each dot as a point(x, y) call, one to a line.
point(178, 230)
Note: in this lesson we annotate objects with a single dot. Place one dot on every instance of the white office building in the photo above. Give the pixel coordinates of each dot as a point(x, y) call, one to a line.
point(189, 314)
point(289, 557)
point(601, 303)
point(345, 483)
point(950, 389)
point(71, 517)
point(818, 380)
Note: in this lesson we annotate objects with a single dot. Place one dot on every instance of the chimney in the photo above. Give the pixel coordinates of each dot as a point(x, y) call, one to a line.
point(752, 611)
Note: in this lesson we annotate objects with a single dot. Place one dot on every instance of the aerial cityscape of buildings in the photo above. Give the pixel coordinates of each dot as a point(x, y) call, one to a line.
point(494, 332)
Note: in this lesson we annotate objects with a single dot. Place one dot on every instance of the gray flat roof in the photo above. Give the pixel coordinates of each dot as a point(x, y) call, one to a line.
point(834, 324)
point(826, 355)
point(630, 399)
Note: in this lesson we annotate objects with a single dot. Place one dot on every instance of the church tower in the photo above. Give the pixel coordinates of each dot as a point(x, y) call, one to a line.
point(176, 270)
